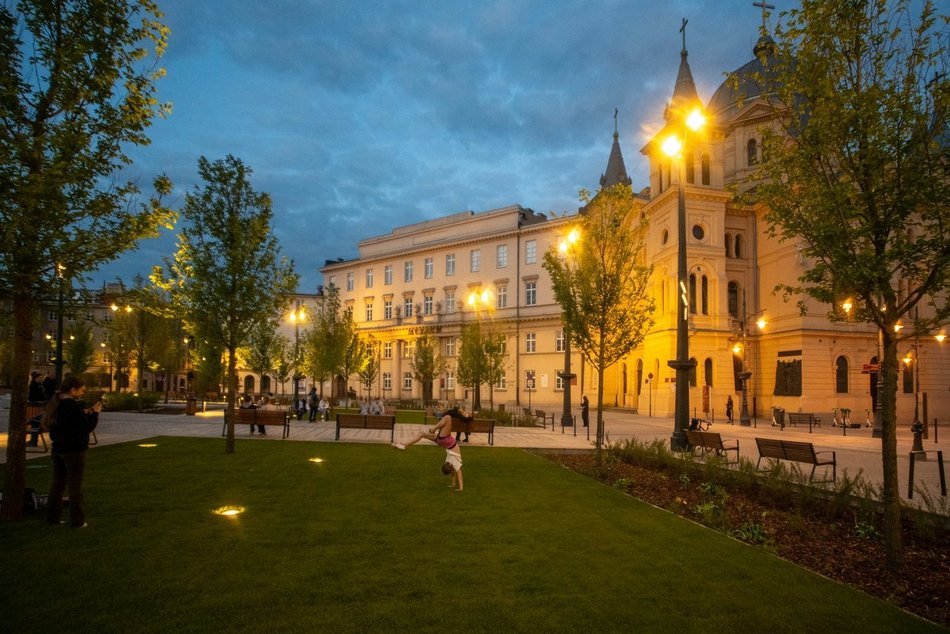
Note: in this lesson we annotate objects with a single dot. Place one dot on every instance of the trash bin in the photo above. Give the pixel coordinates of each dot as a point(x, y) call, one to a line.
point(191, 406)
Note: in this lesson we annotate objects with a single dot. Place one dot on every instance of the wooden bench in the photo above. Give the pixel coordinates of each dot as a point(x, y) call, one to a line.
point(711, 441)
point(796, 451)
point(477, 426)
point(259, 417)
point(32, 411)
point(366, 421)
point(805, 418)
point(543, 417)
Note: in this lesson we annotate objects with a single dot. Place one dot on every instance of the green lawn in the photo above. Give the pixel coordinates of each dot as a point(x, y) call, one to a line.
point(372, 539)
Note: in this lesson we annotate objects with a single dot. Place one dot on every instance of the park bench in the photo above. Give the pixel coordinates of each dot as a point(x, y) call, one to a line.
point(476, 426)
point(796, 451)
point(366, 421)
point(543, 417)
point(32, 411)
point(805, 418)
point(259, 417)
point(708, 441)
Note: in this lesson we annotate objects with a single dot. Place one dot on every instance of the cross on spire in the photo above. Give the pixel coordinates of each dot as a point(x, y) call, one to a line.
point(765, 6)
point(683, 31)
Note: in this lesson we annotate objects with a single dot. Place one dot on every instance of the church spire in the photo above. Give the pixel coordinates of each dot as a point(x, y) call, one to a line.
point(616, 170)
point(684, 92)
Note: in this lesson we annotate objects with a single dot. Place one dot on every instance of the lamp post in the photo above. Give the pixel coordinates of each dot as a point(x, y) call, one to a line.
point(567, 420)
point(742, 347)
point(683, 365)
point(478, 301)
point(59, 328)
point(296, 316)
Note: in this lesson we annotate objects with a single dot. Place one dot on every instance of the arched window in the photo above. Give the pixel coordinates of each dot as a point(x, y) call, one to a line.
point(639, 375)
point(705, 295)
point(841, 375)
point(249, 383)
point(752, 152)
point(690, 168)
point(265, 384)
point(908, 376)
point(708, 372)
point(738, 245)
point(692, 372)
point(692, 293)
point(728, 245)
point(705, 168)
point(733, 298)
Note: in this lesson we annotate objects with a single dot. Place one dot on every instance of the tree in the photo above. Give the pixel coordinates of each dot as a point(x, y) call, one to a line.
point(76, 91)
point(328, 341)
point(79, 349)
point(283, 365)
point(427, 364)
point(602, 285)
point(472, 363)
point(369, 372)
point(856, 171)
point(263, 348)
point(496, 362)
point(228, 276)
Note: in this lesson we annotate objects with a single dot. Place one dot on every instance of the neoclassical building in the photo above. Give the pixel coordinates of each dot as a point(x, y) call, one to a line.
point(435, 276)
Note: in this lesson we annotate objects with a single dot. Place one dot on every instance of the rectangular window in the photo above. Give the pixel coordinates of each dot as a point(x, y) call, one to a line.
point(558, 381)
point(502, 383)
point(407, 307)
point(387, 309)
point(350, 281)
point(408, 271)
point(559, 341)
point(369, 278)
point(450, 302)
point(369, 312)
point(407, 381)
point(450, 380)
point(530, 251)
point(428, 268)
point(529, 380)
point(530, 293)
point(501, 256)
point(476, 260)
point(427, 305)
point(501, 297)
point(388, 350)
point(450, 264)
point(387, 380)
point(530, 342)
point(331, 280)
point(388, 274)
point(408, 350)
point(51, 316)
point(450, 347)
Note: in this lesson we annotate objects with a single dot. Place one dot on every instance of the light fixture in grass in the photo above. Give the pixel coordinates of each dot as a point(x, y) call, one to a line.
point(229, 511)
point(148, 445)
point(316, 460)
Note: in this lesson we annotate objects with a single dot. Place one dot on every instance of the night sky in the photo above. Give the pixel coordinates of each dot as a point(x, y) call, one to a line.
point(358, 117)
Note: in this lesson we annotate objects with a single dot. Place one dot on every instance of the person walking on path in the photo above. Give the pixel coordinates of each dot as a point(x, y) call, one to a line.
point(729, 409)
point(69, 422)
point(585, 411)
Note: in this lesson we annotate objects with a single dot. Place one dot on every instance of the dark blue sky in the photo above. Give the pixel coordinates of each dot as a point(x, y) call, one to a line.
point(359, 116)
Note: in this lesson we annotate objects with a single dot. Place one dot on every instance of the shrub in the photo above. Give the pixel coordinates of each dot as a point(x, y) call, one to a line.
point(124, 401)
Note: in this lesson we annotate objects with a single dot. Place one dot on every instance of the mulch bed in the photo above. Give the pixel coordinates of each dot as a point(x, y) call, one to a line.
point(834, 548)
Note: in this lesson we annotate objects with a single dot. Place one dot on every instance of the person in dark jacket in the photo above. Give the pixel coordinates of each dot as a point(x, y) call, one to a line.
point(69, 422)
point(37, 393)
point(457, 413)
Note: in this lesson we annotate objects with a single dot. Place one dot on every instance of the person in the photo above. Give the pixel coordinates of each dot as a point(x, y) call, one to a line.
point(729, 409)
point(69, 422)
point(441, 434)
point(267, 404)
point(37, 395)
point(247, 402)
point(457, 413)
point(312, 402)
point(376, 407)
point(49, 386)
point(585, 411)
point(323, 408)
point(364, 407)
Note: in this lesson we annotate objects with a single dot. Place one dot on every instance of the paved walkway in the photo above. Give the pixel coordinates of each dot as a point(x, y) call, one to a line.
point(857, 451)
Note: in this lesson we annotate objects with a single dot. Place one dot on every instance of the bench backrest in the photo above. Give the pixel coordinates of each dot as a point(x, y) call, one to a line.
point(260, 416)
point(770, 448)
point(707, 439)
point(799, 451)
point(365, 421)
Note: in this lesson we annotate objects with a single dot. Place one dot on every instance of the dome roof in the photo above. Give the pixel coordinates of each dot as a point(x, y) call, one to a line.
point(741, 83)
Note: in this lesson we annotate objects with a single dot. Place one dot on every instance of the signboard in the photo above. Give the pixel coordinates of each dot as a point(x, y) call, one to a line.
point(869, 368)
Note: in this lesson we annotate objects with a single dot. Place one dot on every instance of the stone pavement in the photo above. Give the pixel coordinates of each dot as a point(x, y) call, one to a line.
point(857, 451)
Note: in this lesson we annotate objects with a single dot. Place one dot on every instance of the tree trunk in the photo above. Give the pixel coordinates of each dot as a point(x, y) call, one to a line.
point(229, 407)
point(890, 495)
point(600, 414)
point(15, 481)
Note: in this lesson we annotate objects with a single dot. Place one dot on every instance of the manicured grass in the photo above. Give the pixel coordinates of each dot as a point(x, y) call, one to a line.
point(372, 539)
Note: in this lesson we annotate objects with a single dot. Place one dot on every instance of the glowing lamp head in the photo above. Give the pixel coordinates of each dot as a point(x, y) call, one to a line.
point(940, 337)
point(761, 323)
point(696, 119)
point(847, 306)
point(672, 146)
point(737, 348)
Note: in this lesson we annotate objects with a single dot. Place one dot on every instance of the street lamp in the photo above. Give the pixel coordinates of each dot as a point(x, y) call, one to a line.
point(479, 300)
point(683, 365)
point(566, 247)
point(296, 316)
point(742, 347)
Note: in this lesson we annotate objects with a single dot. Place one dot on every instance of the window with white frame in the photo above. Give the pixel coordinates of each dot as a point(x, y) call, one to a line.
point(408, 350)
point(387, 309)
point(388, 274)
point(369, 278)
point(501, 296)
point(558, 381)
point(502, 383)
point(450, 264)
point(350, 281)
point(476, 260)
point(331, 281)
point(388, 350)
point(408, 271)
point(387, 380)
point(449, 302)
point(530, 342)
point(427, 268)
point(407, 381)
point(427, 304)
point(530, 251)
point(369, 311)
point(530, 293)
point(407, 307)
point(450, 380)
point(450, 346)
point(559, 341)
point(501, 256)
